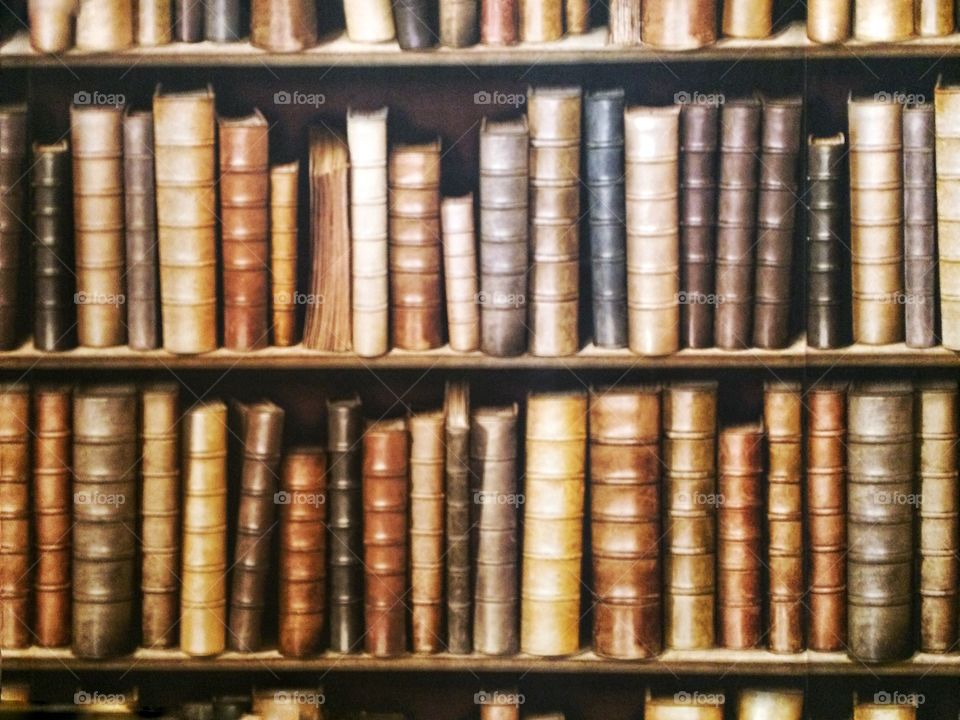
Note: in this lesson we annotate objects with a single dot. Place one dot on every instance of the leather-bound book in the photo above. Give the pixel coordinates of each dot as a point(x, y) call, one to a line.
point(826, 208)
point(577, 16)
point(188, 21)
point(776, 221)
point(105, 536)
point(604, 161)
point(699, 141)
point(556, 449)
point(883, 20)
point(740, 122)
point(498, 22)
point(13, 149)
point(104, 25)
point(504, 254)
point(752, 19)
point(154, 22)
point(880, 486)
point(541, 20)
point(284, 182)
point(53, 302)
point(934, 17)
point(653, 229)
point(184, 135)
point(690, 425)
point(141, 231)
point(367, 141)
point(427, 516)
point(303, 551)
point(625, 522)
point(386, 492)
point(245, 220)
point(625, 22)
point(160, 514)
point(740, 537)
point(261, 437)
point(554, 116)
point(939, 546)
point(679, 706)
point(867, 710)
point(223, 22)
point(500, 705)
point(876, 219)
point(827, 517)
point(919, 226)
point(459, 504)
point(460, 273)
point(679, 24)
point(415, 21)
point(828, 21)
point(14, 694)
point(459, 21)
point(16, 568)
point(51, 25)
point(283, 25)
point(947, 151)
point(51, 514)
point(327, 325)
point(493, 465)
point(416, 311)
point(203, 599)
point(369, 21)
point(783, 419)
point(344, 516)
point(764, 704)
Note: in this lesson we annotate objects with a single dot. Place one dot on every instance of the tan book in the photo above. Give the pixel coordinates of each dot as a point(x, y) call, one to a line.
point(284, 186)
point(947, 98)
point(460, 273)
point(828, 21)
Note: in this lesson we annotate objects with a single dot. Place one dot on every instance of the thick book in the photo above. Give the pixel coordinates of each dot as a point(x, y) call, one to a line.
point(493, 466)
point(625, 527)
point(13, 150)
point(284, 186)
point(386, 491)
point(245, 236)
point(415, 21)
point(104, 25)
point(344, 518)
point(934, 17)
point(369, 21)
point(261, 433)
point(766, 703)
point(499, 22)
point(327, 324)
point(459, 21)
point(876, 219)
point(880, 521)
point(105, 533)
point(883, 20)
point(604, 161)
point(555, 449)
point(504, 232)
point(541, 20)
point(460, 272)
point(283, 25)
point(625, 22)
point(154, 22)
point(223, 21)
point(459, 504)
point(96, 137)
point(947, 151)
point(690, 587)
point(203, 594)
point(303, 551)
point(370, 306)
point(653, 229)
point(740, 537)
point(554, 114)
point(52, 227)
point(16, 606)
point(159, 514)
point(679, 24)
point(141, 232)
point(51, 25)
point(188, 17)
point(828, 21)
point(52, 510)
point(749, 19)
point(678, 705)
point(184, 135)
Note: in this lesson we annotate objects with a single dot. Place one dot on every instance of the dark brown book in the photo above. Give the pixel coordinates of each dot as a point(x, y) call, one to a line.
point(459, 506)
point(13, 149)
point(498, 22)
point(284, 186)
point(15, 567)
point(415, 21)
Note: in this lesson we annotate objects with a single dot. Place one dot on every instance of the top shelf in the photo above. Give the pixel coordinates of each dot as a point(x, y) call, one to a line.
point(337, 51)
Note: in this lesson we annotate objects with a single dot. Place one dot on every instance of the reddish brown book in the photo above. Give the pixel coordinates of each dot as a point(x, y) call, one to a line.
point(15, 566)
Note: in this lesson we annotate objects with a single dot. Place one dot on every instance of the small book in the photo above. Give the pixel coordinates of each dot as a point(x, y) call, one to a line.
point(828, 21)
point(757, 704)
point(188, 17)
point(51, 25)
point(934, 17)
point(415, 21)
point(625, 22)
point(541, 20)
point(751, 19)
point(669, 707)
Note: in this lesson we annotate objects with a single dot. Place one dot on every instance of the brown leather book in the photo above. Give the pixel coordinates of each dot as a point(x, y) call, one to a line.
point(154, 22)
point(947, 103)
point(426, 530)
point(554, 117)
point(96, 136)
point(284, 184)
point(556, 448)
point(934, 17)
point(303, 551)
point(876, 219)
point(625, 22)
point(880, 523)
point(827, 517)
point(883, 20)
point(690, 425)
point(369, 21)
point(104, 25)
point(625, 522)
point(576, 16)
point(15, 565)
point(939, 546)
point(283, 25)
point(460, 273)
point(416, 313)
point(740, 537)
point(541, 20)
point(680, 705)
point(51, 25)
point(500, 704)
point(203, 598)
point(897, 710)
point(752, 19)
point(653, 229)
point(459, 505)
point(160, 514)
point(459, 22)
point(783, 419)
point(52, 507)
point(327, 325)
point(763, 704)
point(385, 497)
point(679, 24)
point(105, 477)
point(13, 149)
point(498, 22)
point(828, 21)
point(244, 217)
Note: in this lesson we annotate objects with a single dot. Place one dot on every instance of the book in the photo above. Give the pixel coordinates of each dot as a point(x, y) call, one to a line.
point(625, 22)
point(13, 150)
point(751, 19)
point(51, 25)
point(902, 710)
point(104, 25)
point(576, 15)
point(284, 184)
point(828, 21)
point(16, 606)
point(222, 21)
point(947, 153)
point(760, 704)
point(459, 22)
point(883, 20)
point(498, 22)
point(154, 22)
point(188, 17)
point(541, 20)
point(460, 273)
point(678, 705)
point(934, 18)
point(369, 21)
point(415, 21)
point(283, 25)
point(679, 24)
point(459, 505)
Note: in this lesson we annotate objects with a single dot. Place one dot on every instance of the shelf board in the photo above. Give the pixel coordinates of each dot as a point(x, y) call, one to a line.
point(336, 50)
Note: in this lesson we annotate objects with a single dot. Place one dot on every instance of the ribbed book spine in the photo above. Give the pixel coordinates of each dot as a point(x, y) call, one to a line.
point(284, 186)
point(16, 626)
point(460, 273)
point(458, 517)
point(947, 152)
point(13, 150)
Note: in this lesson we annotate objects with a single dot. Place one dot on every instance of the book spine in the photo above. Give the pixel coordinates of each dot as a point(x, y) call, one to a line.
point(934, 17)
point(625, 22)
point(498, 22)
point(13, 149)
point(104, 25)
point(760, 704)
point(459, 22)
point(947, 152)
point(369, 21)
point(283, 25)
point(828, 21)
point(284, 183)
point(188, 21)
point(541, 20)
point(154, 22)
point(668, 707)
point(460, 273)
point(51, 25)
point(222, 20)
point(576, 16)
point(883, 20)
point(415, 21)
point(16, 626)
point(679, 24)
point(751, 19)
point(458, 512)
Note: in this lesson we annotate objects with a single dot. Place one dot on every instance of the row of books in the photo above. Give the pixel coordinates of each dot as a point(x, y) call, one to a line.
point(292, 25)
point(795, 531)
